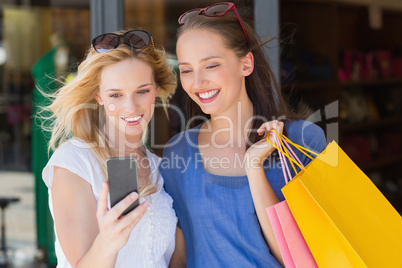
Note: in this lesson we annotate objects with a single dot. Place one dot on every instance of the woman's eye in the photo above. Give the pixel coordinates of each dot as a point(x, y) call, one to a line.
point(143, 91)
point(212, 66)
point(115, 95)
point(185, 71)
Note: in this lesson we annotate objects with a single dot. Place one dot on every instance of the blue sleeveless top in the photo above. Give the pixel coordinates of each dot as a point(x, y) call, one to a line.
point(216, 213)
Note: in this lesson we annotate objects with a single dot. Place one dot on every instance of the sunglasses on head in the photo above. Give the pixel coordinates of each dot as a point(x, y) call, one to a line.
point(137, 39)
point(215, 10)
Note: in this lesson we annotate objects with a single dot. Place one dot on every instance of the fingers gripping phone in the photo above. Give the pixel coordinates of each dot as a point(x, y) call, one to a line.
point(123, 180)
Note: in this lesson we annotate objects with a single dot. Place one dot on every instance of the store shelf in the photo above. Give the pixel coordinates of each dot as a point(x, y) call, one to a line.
point(381, 163)
point(311, 85)
point(324, 32)
point(316, 85)
point(371, 125)
point(372, 83)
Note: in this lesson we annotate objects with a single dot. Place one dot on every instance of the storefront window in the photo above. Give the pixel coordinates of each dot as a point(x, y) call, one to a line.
point(41, 42)
point(34, 39)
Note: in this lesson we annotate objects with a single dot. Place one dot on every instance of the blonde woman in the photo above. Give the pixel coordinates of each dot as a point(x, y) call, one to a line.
point(104, 112)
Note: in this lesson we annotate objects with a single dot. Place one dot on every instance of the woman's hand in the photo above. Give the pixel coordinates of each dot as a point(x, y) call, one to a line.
point(259, 151)
point(114, 229)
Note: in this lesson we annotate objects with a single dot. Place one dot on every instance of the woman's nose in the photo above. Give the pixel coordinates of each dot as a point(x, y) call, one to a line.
point(131, 104)
point(199, 81)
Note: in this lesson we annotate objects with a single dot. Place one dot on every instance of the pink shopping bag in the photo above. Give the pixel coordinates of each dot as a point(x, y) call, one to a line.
point(293, 247)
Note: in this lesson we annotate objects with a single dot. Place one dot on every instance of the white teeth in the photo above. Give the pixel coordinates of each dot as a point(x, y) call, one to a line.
point(209, 94)
point(131, 118)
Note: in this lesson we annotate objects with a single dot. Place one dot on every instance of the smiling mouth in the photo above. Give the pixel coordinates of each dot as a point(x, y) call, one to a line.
point(131, 119)
point(208, 95)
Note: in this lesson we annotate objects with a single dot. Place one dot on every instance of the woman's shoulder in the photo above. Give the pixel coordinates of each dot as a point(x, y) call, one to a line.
point(73, 148)
point(75, 156)
point(306, 134)
point(72, 154)
point(302, 127)
point(182, 140)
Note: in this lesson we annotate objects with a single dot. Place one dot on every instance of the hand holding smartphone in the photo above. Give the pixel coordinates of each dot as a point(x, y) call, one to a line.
point(123, 179)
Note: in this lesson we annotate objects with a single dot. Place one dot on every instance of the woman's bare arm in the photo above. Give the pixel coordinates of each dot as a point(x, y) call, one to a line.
point(88, 233)
point(178, 259)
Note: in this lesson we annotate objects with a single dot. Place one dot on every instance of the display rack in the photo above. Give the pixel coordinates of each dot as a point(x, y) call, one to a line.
point(331, 41)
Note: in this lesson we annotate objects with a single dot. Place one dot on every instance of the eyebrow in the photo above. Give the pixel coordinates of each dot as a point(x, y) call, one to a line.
point(116, 89)
point(202, 60)
point(145, 85)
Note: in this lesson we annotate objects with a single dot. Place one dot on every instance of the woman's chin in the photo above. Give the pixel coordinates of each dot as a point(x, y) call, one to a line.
point(211, 111)
point(131, 134)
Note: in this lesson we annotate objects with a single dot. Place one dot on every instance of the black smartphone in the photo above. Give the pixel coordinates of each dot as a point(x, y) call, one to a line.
point(123, 180)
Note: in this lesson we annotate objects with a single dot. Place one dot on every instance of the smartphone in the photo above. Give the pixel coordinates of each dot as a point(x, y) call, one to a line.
point(123, 180)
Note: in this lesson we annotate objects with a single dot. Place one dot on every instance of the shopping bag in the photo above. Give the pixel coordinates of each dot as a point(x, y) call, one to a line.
point(292, 246)
point(343, 217)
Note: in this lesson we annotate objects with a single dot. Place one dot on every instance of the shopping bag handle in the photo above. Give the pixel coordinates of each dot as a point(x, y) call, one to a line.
point(285, 167)
point(302, 149)
point(284, 149)
point(297, 146)
point(280, 145)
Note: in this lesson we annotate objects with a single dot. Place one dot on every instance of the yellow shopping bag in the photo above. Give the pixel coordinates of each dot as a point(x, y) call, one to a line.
point(344, 218)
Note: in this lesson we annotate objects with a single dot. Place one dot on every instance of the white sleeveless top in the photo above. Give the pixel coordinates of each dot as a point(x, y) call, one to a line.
point(152, 240)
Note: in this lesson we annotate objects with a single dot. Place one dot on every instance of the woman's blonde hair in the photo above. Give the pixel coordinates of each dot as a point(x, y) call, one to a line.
point(76, 113)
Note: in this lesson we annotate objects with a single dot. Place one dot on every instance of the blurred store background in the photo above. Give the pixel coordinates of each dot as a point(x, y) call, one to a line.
point(340, 59)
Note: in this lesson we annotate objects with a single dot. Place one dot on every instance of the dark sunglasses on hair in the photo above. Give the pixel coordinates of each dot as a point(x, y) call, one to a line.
point(215, 10)
point(137, 39)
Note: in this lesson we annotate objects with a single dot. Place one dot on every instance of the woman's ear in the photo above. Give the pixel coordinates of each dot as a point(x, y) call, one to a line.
point(157, 92)
point(248, 64)
point(99, 100)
